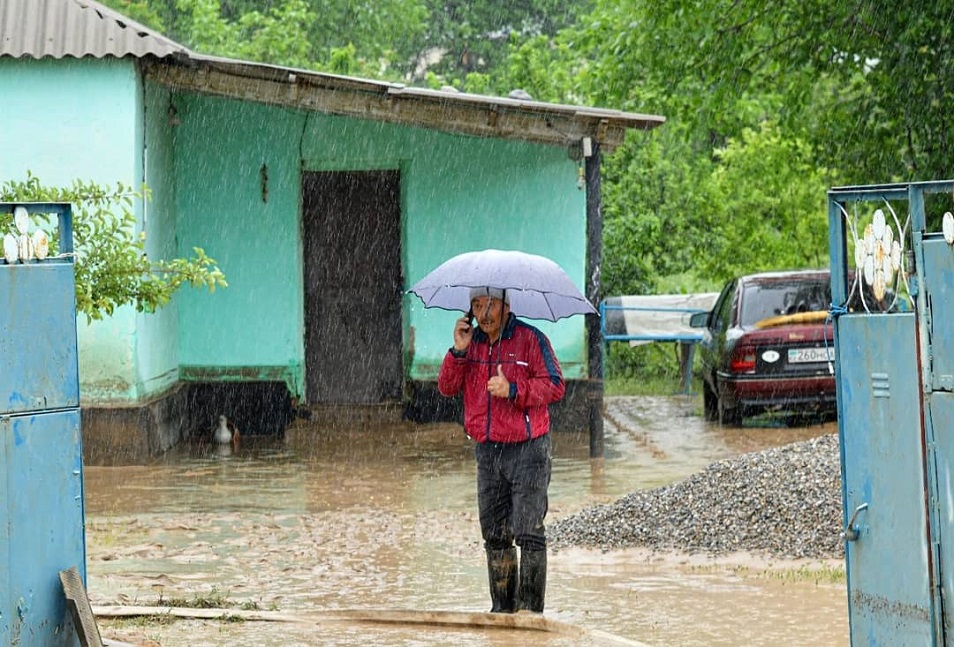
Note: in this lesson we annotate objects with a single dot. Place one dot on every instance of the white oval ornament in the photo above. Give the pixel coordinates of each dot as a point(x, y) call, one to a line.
point(25, 247)
point(771, 356)
point(859, 254)
point(869, 270)
point(947, 226)
point(887, 269)
point(877, 224)
point(10, 251)
point(879, 285)
point(21, 218)
point(896, 256)
point(41, 244)
point(869, 239)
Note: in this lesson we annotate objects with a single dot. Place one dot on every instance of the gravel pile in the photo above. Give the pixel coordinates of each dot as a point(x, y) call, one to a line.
point(783, 502)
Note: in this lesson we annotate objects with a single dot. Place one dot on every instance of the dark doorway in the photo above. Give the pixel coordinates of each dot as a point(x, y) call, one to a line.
point(353, 287)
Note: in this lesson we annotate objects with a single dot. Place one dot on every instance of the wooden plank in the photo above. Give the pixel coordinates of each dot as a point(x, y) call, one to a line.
point(80, 610)
point(523, 621)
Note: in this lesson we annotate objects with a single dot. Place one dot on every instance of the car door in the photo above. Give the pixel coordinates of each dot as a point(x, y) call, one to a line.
point(713, 342)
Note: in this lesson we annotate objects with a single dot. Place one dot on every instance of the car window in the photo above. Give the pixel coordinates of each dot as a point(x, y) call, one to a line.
point(721, 313)
point(771, 299)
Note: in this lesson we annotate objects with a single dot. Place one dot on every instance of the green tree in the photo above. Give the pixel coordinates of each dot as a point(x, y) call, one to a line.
point(111, 265)
point(656, 215)
point(278, 35)
point(881, 73)
point(156, 14)
point(768, 195)
point(374, 38)
point(474, 35)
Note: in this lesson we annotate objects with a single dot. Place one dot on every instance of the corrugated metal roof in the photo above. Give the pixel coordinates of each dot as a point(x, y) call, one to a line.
point(79, 28)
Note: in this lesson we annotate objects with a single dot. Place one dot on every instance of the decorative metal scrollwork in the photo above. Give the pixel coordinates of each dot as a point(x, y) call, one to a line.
point(880, 276)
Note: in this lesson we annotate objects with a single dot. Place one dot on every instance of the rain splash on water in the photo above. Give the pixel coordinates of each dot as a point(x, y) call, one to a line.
point(385, 518)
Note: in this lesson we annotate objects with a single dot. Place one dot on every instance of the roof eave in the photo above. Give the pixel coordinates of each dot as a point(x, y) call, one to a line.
point(462, 113)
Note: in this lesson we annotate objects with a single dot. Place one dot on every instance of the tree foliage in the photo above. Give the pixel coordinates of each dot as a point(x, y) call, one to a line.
point(111, 265)
point(473, 35)
point(770, 196)
point(440, 42)
point(375, 38)
point(767, 105)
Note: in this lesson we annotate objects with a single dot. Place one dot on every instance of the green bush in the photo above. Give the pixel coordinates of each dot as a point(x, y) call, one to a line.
point(649, 369)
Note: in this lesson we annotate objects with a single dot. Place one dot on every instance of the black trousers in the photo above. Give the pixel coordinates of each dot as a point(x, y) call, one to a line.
point(512, 483)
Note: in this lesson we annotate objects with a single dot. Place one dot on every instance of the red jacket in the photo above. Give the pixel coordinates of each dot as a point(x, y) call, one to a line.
point(529, 365)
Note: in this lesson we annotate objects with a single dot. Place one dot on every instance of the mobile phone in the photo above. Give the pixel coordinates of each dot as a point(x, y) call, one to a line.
point(470, 317)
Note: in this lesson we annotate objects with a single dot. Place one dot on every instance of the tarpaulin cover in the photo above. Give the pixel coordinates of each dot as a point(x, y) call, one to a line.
point(657, 317)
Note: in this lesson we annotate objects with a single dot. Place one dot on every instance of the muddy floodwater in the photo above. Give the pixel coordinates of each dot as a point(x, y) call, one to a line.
point(385, 518)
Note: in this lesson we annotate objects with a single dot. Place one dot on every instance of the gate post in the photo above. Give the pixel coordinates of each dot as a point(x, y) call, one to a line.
point(41, 458)
point(594, 260)
point(895, 384)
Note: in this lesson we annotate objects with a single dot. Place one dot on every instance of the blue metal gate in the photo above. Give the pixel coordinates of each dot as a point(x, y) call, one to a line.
point(41, 462)
point(895, 381)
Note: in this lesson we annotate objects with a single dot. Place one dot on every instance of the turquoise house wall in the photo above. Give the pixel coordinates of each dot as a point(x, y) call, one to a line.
point(254, 328)
point(97, 120)
point(459, 193)
point(157, 339)
point(68, 119)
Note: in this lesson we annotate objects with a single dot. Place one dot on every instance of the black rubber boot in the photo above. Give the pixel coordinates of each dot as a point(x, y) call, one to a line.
point(502, 572)
point(533, 580)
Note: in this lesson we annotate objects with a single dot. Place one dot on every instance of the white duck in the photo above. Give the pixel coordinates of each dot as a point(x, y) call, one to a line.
point(226, 433)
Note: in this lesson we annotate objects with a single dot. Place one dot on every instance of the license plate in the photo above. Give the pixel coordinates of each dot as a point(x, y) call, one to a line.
point(810, 355)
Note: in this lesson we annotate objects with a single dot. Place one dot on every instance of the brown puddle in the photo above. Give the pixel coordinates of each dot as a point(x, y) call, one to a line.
point(386, 519)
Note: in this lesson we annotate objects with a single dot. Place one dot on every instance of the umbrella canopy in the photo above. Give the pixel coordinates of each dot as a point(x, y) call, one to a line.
point(537, 287)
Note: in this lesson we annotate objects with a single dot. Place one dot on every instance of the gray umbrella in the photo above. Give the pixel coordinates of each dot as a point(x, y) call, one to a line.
point(537, 287)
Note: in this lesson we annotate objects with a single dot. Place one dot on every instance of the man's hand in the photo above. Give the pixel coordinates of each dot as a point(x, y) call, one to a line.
point(463, 333)
point(498, 386)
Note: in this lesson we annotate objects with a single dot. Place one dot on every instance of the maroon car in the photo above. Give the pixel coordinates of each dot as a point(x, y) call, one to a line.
point(768, 346)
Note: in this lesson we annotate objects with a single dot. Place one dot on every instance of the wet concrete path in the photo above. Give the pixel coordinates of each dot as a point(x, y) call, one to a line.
point(385, 518)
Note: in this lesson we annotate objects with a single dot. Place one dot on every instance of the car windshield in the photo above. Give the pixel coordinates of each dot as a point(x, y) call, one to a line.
point(771, 299)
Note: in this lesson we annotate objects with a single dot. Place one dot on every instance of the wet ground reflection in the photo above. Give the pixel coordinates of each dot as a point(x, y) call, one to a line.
point(386, 519)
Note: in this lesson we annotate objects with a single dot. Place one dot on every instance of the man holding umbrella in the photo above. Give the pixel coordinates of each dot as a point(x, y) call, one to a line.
point(508, 374)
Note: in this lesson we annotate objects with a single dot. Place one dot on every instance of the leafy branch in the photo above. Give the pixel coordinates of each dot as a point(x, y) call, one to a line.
point(111, 265)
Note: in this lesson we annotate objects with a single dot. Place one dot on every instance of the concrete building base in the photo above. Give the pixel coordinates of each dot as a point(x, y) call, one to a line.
point(114, 435)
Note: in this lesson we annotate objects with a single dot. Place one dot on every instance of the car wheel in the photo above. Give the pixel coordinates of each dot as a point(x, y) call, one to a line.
point(710, 402)
point(729, 416)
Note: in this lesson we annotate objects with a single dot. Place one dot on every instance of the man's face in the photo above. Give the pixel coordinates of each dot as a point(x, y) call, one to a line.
point(490, 314)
